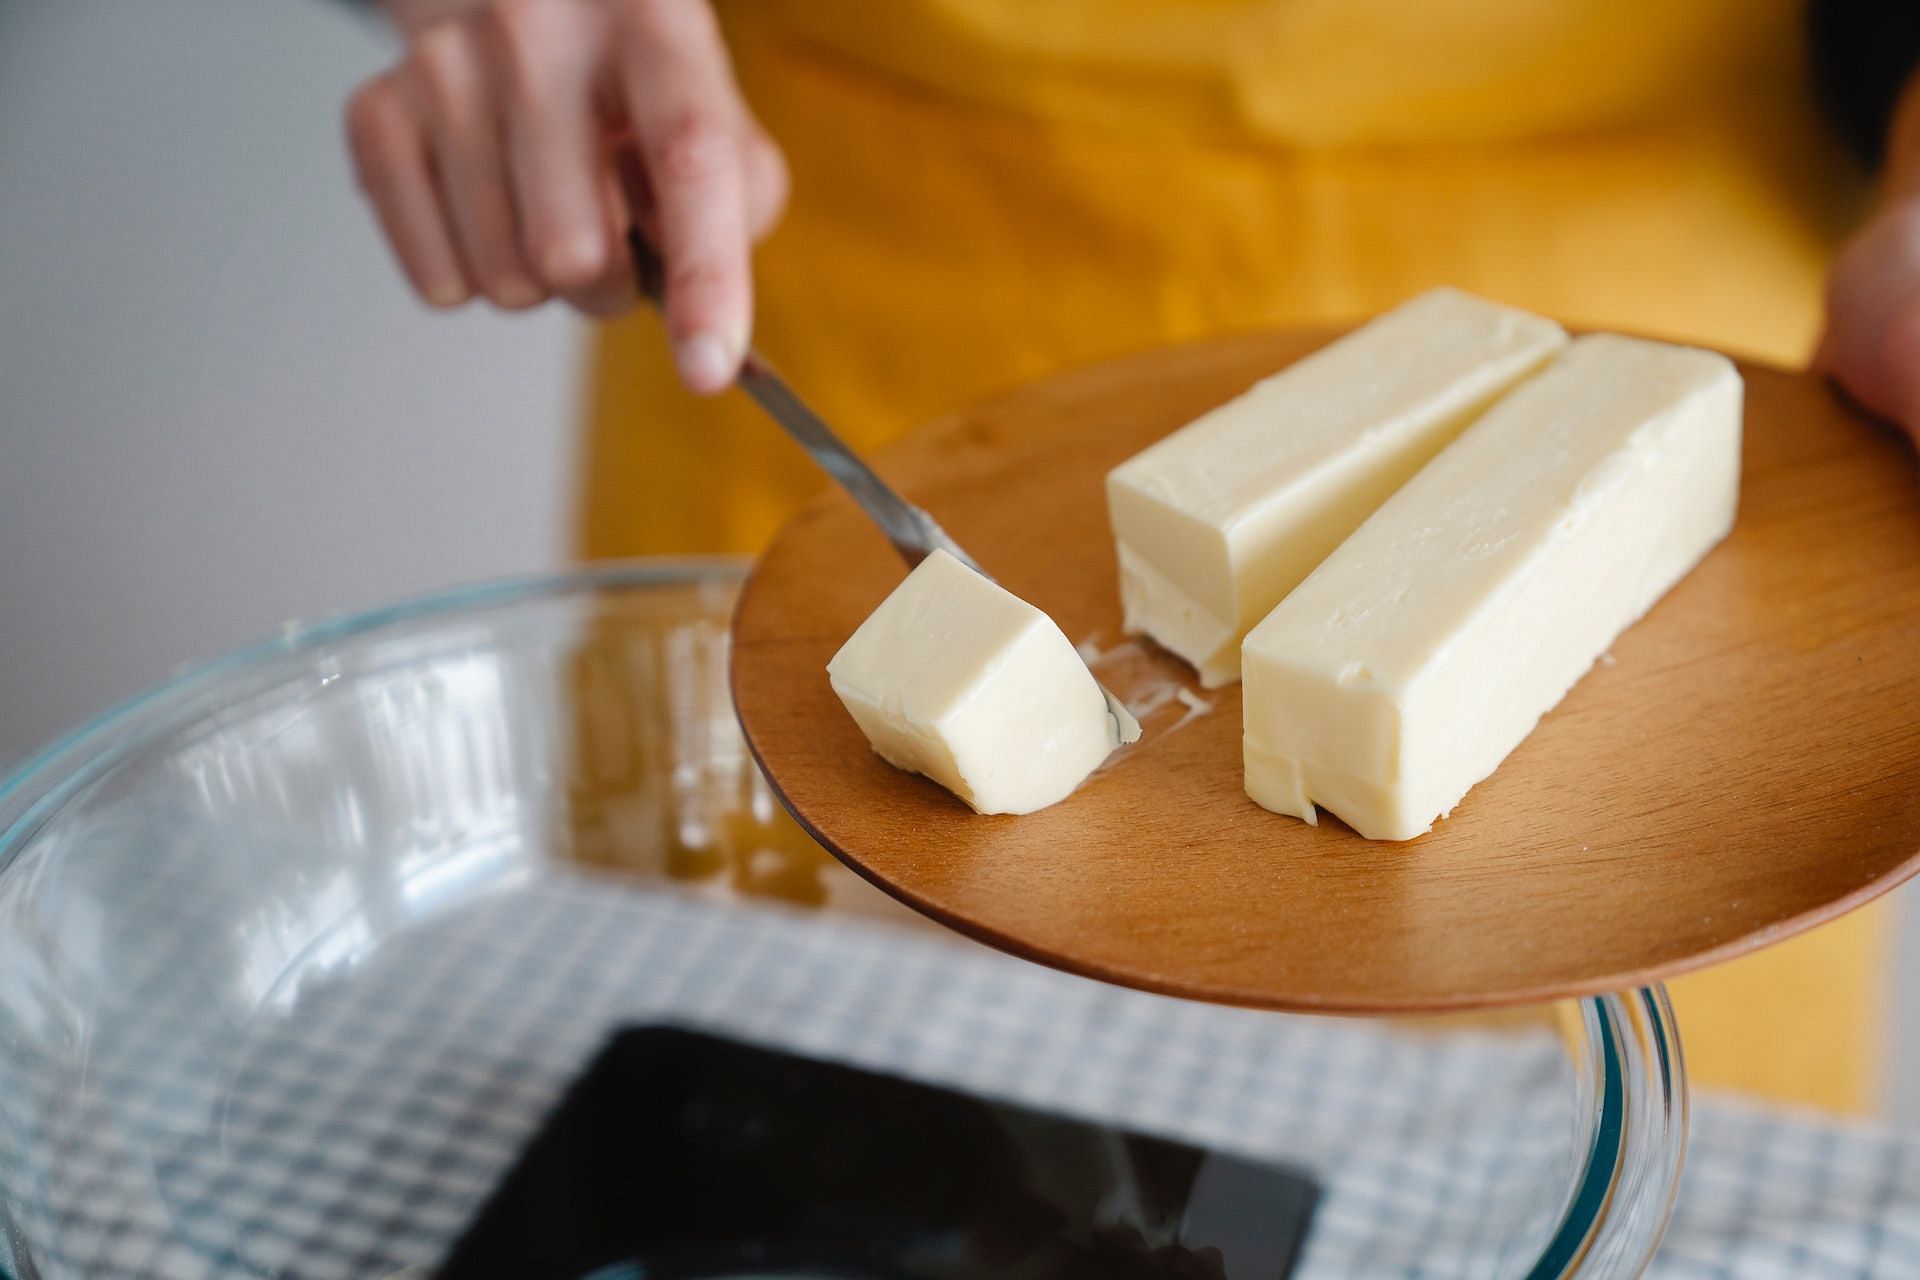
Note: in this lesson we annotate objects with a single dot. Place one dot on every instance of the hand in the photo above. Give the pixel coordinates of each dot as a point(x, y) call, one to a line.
point(493, 155)
point(1872, 340)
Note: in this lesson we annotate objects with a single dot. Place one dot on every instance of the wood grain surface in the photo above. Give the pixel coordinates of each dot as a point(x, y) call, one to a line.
point(1745, 766)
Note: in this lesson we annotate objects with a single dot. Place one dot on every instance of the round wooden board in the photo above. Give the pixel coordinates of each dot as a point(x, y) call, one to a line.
point(1747, 765)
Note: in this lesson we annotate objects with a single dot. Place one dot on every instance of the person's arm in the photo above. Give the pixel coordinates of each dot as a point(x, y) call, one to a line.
point(1866, 59)
point(489, 153)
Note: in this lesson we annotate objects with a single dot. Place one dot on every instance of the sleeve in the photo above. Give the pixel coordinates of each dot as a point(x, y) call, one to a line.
point(1862, 54)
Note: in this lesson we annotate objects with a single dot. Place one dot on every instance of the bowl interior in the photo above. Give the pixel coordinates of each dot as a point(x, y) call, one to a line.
point(297, 952)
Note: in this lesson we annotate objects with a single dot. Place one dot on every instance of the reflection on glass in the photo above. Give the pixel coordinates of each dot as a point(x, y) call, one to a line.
point(294, 958)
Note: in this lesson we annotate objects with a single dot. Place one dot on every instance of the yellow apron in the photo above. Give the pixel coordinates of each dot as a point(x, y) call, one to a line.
point(986, 191)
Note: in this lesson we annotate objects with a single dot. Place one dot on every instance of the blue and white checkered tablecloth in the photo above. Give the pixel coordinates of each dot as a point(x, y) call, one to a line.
point(353, 1123)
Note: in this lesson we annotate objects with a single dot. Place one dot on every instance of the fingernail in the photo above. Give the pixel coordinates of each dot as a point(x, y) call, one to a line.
point(446, 293)
point(705, 363)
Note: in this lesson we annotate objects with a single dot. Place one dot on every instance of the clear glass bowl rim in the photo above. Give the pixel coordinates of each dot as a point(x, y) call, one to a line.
point(1620, 1202)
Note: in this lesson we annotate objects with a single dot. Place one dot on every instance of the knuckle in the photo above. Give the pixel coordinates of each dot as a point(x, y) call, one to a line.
point(701, 282)
point(370, 112)
point(442, 62)
point(670, 22)
point(530, 32)
point(546, 51)
point(371, 115)
point(692, 145)
point(523, 20)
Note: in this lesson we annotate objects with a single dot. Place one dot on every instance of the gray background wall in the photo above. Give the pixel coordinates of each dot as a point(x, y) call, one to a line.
point(218, 408)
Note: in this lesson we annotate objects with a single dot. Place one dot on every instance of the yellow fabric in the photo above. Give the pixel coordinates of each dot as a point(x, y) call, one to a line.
point(986, 191)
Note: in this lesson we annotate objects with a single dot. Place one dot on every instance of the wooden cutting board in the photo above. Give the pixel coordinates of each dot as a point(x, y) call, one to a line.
point(1743, 766)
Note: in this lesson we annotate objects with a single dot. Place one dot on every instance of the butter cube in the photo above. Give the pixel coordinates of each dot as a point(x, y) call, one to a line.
point(1411, 662)
point(1218, 521)
point(959, 679)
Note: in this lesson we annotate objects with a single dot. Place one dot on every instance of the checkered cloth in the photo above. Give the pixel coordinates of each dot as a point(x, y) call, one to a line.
point(348, 1124)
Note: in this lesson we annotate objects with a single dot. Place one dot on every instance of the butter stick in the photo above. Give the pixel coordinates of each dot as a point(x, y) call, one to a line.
point(1411, 662)
point(1217, 522)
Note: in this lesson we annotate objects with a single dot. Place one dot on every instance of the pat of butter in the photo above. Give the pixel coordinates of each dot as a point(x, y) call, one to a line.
point(959, 679)
point(1408, 665)
point(1217, 522)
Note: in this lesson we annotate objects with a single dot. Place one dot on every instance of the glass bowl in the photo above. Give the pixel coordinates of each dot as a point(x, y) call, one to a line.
point(297, 949)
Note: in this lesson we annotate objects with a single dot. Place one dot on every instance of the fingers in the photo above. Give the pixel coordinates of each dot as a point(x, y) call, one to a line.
point(458, 100)
point(489, 154)
point(691, 132)
point(704, 239)
point(549, 54)
point(390, 160)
